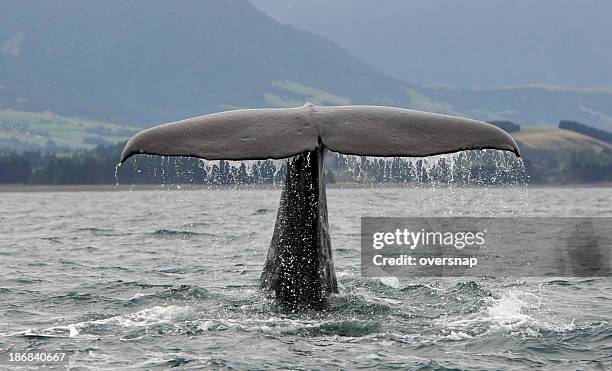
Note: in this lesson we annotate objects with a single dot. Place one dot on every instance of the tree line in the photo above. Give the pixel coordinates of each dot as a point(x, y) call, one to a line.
point(98, 166)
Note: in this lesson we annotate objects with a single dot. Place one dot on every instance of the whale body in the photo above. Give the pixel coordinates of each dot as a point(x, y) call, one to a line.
point(299, 269)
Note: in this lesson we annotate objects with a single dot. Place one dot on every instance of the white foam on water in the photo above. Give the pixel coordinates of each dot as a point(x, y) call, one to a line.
point(206, 326)
point(345, 273)
point(73, 331)
point(506, 315)
point(458, 336)
point(512, 313)
point(139, 295)
point(272, 325)
point(144, 318)
point(392, 282)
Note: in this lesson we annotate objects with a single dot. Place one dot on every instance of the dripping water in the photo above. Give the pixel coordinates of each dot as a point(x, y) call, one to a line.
point(116, 173)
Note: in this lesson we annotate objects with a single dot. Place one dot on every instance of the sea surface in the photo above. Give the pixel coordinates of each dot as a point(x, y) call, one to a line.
point(148, 279)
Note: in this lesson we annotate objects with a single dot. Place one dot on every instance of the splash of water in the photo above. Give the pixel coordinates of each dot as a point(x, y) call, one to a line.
point(480, 168)
point(117, 174)
point(488, 171)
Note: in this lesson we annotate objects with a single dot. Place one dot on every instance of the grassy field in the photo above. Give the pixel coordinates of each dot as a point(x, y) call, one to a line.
point(47, 131)
point(31, 131)
point(302, 93)
point(548, 138)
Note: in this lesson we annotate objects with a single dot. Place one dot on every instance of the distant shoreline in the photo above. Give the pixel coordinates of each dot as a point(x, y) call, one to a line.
point(25, 188)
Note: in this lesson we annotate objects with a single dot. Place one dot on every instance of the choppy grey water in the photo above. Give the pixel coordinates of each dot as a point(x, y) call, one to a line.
point(153, 279)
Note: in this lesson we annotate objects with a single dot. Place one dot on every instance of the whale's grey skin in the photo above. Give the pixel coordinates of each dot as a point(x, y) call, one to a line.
point(299, 268)
point(276, 133)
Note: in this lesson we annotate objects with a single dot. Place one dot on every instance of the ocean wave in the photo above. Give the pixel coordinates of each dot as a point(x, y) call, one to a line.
point(182, 292)
point(262, 211)
point(504, 315)
point(99, 231)
point(421, 289)
point(390, 284)
point(282, 326)
point(558, 283)
point(358, 305)
point(196, 224)
point(144, 319)
point(174, 233)
point(343, 328)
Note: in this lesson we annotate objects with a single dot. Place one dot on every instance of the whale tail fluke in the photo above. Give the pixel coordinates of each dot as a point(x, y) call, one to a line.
point(281, 133)
point(299, 268)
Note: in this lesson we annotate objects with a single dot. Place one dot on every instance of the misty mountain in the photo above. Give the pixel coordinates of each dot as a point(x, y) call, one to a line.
point(145, 61)
point(141, 62)
point(530, 104)
point(466, 43)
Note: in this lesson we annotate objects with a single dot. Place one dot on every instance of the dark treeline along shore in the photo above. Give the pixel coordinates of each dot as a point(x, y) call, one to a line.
point(97, 166)
point(581, 164)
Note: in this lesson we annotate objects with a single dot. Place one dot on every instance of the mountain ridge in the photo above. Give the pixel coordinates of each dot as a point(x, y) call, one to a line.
point(466, 43)
point(152, 61)
point(140, 62)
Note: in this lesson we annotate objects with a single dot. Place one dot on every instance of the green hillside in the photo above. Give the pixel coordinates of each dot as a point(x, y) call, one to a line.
point(145, 62)
point(552, 139)
point(557, 156)
point(504, 45)
point(49, 132)
point(152, 61)
point(530, 104)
